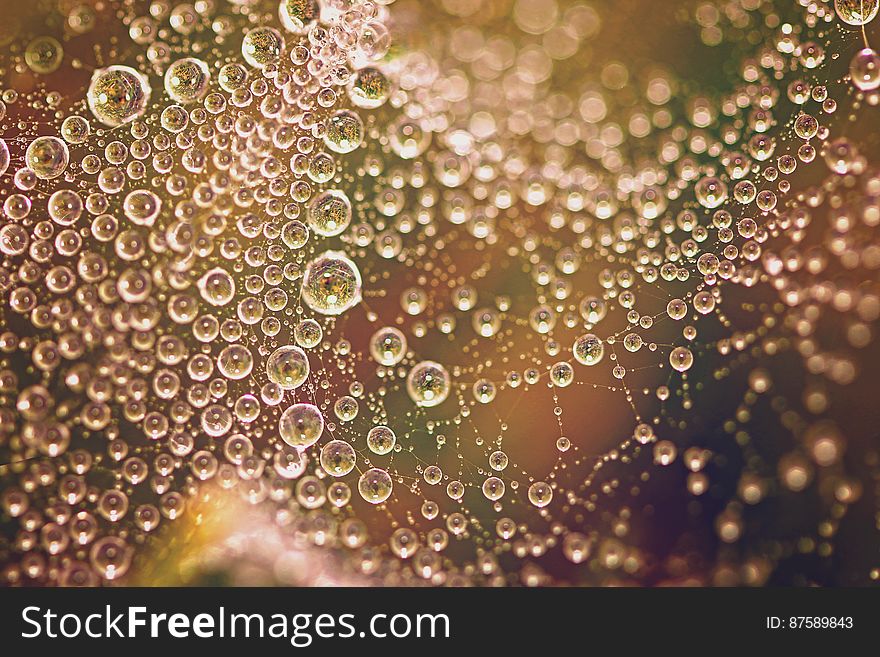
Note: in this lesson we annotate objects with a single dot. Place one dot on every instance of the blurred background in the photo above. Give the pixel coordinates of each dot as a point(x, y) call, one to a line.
point(760, 463)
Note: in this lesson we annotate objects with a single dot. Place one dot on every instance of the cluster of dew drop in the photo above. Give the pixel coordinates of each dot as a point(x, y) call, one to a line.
point(272, 254)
